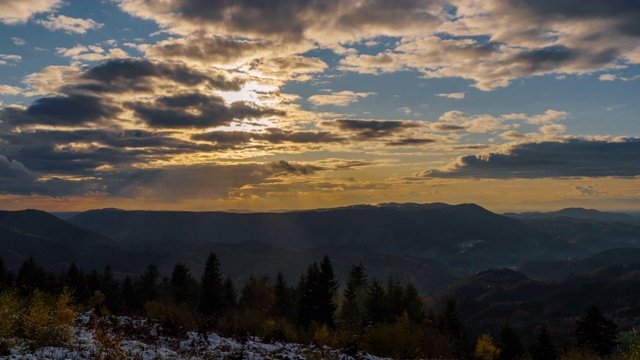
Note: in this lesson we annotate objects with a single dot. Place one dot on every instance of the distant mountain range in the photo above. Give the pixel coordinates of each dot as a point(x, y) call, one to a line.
point(578, 213)
point(432, 245)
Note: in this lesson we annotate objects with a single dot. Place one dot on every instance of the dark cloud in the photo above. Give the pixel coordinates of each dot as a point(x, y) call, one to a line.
point(197, 110)
point(625, 12)
point(571, 158)
point(51, 150)
point(61, 110)
point(410, 142)
point(215, 49)
point(447, 127)
point(555, 57)
point(136, 75)
point(371, 129)
point(282, 167)
point(271, 135)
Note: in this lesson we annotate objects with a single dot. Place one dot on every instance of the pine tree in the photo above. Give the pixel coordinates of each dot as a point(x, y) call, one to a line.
point(257, 294)
point(283, 302)
point(375, 303)
point(412, 303)
point(149, 284)
point(211, 286)
point(327, 288)
point(5, 276)
point(596, 332)
point(394, 300)
point(352, 311)
point(449, 324)
point(510, 343)
point(181, 284)
point(542, 348)
point(229, 294)
point(316, 291)
point(31, 276)
point(110, 288)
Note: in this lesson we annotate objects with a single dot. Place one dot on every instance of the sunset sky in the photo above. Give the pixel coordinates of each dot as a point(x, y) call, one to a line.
point(515, 105)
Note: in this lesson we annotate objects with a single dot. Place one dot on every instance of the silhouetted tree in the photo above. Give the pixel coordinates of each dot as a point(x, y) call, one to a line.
point(182, 284)
point(212, 287)
point(283, 301)
point(449, 324)
point(510, 343)
point(375, 303)
point(149, 284)
point(542, 347)
point(352, 311)
point(31, 276)
point(128, 296)
point(229, 294)
point(6, 279)
point(110, 288)
point(257, 294)
point(412, 303)
point(317, 289)
point(596, 332)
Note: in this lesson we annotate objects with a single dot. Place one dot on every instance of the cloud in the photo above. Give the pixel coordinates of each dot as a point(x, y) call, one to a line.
point(10, 90)
point(410, 142)
point(372, 129)
point(574, 157)
point(195, 110)
point(282, 167)
point(304, 21)
point(91, 53)
point(18, 41)
point(68, 24)
point(342, 98)
point(457, 96)
point(6, 59)
point(19, 11)
point(60, 110)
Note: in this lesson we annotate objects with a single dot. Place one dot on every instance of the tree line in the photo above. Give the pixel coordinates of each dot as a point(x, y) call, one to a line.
point(385, 318)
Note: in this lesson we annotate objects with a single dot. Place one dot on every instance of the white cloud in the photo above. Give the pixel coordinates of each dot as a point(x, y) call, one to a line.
point(19, 11)
point(69, 24)
point(18, 41)
point(342, 98)
point(607, 77)
point(9, 90)
point(458, 95)
point(91, 53)
point(9, 59)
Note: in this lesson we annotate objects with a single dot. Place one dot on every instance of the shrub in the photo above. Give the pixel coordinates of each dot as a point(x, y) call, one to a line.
point(485, 349)
point(46, 324)
point(10, 309)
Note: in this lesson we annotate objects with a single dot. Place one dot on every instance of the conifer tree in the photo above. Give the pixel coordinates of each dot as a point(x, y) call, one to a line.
point(5, 276)
point(211, 286)
point(257, 294)
point(110, 288)
point(283, 303)
point(542, 348)
point(181, 284)
point(596, 332)
point(375, 303)
point(449, 324)
point(510, 342)
point(31, 276)
point(128, 296)
point(317, 290)
point(412, 303)
point(352, 311)
point(229, 294)
point(149, 284)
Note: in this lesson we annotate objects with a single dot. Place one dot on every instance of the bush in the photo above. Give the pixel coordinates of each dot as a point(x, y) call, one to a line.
point(396, 340)
point(10, 310)
point(48, 324)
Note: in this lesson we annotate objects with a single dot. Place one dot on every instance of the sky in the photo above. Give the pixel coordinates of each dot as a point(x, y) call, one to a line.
point(516, 105)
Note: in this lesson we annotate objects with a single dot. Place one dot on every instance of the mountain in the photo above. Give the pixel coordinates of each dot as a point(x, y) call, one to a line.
point(485, 300)
point(467, 237)
point(578, 213)
point(54, 242)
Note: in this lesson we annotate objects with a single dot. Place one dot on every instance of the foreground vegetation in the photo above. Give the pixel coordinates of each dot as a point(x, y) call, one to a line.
point(386, 319)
